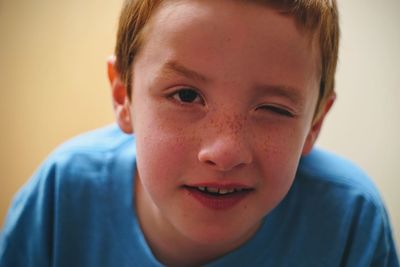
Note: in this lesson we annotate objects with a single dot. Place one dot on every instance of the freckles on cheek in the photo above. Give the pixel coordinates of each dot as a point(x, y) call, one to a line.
point(276, 142)
point(280, 154)
point(167, 147)
point(272, 143)
point(166, 141)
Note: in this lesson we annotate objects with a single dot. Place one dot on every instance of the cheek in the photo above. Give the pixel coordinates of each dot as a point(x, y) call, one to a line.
point(280, 163)
point(279, 155)
point(164, 150)
point(278, 170)
point(282, 143)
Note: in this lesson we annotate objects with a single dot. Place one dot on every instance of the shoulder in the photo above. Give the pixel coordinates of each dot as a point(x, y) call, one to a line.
point(324, 169)
point(339, 190)
point(85, 165)
point(340, 203)
point(82, 182)
point(90, 158)
point(107, 139)
point(77, 172)
point(90, 153)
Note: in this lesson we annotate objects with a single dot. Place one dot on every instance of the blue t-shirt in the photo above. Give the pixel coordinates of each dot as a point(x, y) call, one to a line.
point(77, 210)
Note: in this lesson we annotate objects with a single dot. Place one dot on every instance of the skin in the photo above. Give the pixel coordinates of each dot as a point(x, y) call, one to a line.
point(223, 92)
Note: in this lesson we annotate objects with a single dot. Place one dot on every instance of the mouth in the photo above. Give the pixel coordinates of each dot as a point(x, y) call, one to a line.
point(218, 197)
point(217, 191)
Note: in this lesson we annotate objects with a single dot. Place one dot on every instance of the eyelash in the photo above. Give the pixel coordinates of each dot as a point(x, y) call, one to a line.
point(178, 94)
point(277, 110)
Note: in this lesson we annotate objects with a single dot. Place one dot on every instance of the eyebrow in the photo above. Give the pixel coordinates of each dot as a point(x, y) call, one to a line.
point(291, 93)
point(175, 67)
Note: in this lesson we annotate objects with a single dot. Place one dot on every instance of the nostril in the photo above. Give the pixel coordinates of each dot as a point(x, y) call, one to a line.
point(209, 162)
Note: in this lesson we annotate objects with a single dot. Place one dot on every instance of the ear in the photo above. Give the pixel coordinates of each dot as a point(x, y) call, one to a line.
point(316, 126)
point(121, 103)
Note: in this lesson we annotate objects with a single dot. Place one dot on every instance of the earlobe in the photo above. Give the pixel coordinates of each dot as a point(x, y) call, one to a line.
point(121, 103)
point(316, 127)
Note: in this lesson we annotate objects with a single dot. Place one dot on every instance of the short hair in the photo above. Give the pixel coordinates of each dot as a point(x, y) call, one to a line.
point(318, 17)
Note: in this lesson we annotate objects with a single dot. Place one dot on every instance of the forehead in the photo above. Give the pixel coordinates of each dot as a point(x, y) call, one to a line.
point(232, 37)
point(221, 10)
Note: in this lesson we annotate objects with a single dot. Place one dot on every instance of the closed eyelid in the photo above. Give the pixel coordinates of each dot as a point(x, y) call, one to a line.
point(279, 110)
point(286, 92)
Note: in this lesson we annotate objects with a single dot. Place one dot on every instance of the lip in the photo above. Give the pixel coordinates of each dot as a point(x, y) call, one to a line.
point(221, 185)
point(223, 202)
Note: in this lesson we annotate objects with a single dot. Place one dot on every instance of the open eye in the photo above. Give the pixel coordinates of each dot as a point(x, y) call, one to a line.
point(277, 110)
point(187, 95)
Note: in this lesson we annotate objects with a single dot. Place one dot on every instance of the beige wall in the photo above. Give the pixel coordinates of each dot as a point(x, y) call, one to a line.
point(53, 86)
point(365, 122)
point(52, 79)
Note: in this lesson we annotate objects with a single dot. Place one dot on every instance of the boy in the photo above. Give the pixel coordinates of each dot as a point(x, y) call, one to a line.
point(225, 99)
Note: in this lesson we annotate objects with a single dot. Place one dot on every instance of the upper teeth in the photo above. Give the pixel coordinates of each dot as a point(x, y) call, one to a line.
point(221, 191)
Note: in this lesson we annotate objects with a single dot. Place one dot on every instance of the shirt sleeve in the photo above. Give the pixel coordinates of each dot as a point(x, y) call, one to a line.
point(385, 252)
point(371, 241)
point(26, 239)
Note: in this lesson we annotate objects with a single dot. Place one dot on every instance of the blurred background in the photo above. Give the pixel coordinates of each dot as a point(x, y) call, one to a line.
point(54, 85)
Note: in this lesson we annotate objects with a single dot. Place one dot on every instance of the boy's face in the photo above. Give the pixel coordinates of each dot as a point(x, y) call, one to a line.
point(223, 100)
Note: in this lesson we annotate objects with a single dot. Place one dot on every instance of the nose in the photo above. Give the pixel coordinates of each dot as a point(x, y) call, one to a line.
point(225, 153)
